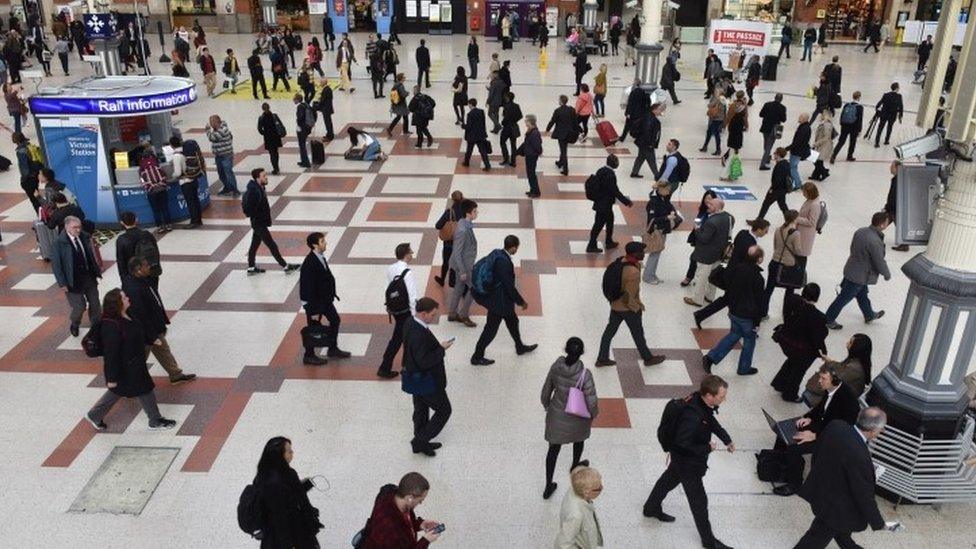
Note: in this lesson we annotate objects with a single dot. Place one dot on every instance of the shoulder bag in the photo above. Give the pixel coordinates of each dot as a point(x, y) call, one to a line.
point(576, 400)
point(446, 233)
point(653, 239)
point(794, 276)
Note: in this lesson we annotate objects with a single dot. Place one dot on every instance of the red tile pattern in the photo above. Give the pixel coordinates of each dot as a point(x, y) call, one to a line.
point(393, 212)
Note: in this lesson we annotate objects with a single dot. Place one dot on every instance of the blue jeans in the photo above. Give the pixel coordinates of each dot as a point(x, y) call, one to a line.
point(795, 171)
point(807, 51)
point(372, 152)
point(848, 291)
point(714, 128)
point(225, 171)
point(17, 117)
point(741, 328)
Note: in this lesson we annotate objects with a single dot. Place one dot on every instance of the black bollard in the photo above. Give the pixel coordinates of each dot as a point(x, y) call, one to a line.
point(162, 43)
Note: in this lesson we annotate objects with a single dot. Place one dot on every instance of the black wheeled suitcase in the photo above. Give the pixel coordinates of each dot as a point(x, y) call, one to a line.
point(769, 64)
point(318, 152)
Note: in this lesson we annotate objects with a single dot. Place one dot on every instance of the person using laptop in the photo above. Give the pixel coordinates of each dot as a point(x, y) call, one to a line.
point(840, 402)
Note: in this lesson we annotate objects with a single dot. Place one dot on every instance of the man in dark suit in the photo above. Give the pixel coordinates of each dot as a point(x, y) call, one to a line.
point(254, 202)
point(648, 140)
point(780, 185)
point(840, 488)
point(567, 130)
point(423, 356)
point(476, 135)
point(317, 290)
point(500, 302)
point(531, 149)
point(690, 445)
point(146, 306)
point(423, 63)
point(324, 106)
point(511, 114)
point(773, 113)
point(637, 105)
point(834, 72)
point(608, 193)
point(924, 50)
point(127, 246)
point(851, 121)
point(581, 66)
point(328, 33)
point(303, 115)
point(77, 272)
point(889, 108)
point(257, 74)
point(840, 403)
point(802, 339)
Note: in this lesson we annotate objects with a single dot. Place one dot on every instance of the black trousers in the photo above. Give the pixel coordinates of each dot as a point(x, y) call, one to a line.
point(694, 490)
point(709, 309)
point(890, 122)
point(846, 131)
point(790, 375)
point(635, 324)
point(579, 81)
point(377, 86)
point(395, 341)
point(819, 535)
point(794, 459)
point(425, 426)
point(191, 193)
point(530, 163)
point(309, 93)
point(784, 46)
point(645, 154)
point(331, 316)
point(279, 77)
point(406, 123)
point(553, 454)
point(778, 198)
point(329, 131)
point(507, 142)
point(446, 250)
point(422, 132)
point(261, 235)
point(259, 80)
point(491, 330)
point(563, 156)
point(493, 116)
point(601, 219)
point(482, 149)
point(459, 114)
point(423, 74)
point(302, 145)
point(273, 153)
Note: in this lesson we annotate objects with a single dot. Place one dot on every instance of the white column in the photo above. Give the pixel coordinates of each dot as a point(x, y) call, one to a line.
point(651, 27)
point(589, 14)
point(649, 46)
point(953, 236)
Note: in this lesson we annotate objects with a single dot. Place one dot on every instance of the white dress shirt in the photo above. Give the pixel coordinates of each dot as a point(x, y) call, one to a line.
point(394, 271)
point(830, 395)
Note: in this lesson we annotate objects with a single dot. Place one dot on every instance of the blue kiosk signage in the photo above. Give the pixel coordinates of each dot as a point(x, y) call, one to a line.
point(100, 25)
point(109, 106)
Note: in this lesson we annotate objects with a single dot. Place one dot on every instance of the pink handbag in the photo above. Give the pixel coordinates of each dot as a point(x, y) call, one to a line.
point(576, 400)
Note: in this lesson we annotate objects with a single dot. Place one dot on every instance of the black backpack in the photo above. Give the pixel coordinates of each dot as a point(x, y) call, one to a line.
point(147, 249)
point(666, 430)
point(247, 205)
point(249, 516)
point(592, 188)
point(613, 280)
point(397, 297)
point(360, 537)
point(682, 170)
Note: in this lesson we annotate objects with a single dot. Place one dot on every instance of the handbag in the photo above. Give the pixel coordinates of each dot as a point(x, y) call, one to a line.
point(417, 383)
point(446, 233)
point(717, 277)
point(576, 400)
point(653, 239)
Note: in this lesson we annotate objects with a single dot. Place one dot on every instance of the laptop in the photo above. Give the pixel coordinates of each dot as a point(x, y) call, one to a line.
point(785, 429)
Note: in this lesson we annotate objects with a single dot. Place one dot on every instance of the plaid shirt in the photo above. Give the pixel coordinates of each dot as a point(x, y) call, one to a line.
point(388, 527)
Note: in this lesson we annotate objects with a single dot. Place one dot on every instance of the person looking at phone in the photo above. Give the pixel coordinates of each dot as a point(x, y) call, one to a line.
point(424, 377)
point(394, 523)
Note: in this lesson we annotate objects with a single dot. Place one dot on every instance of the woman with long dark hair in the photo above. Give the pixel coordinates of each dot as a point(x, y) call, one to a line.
point(123, 343)
point(460, 99)
point(290, 520)
point(855, 370)
point(562, 425)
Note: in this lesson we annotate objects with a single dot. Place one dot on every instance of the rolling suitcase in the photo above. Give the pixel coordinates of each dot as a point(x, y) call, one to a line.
point(606, 131)
point(318, 152)
point(45, 239)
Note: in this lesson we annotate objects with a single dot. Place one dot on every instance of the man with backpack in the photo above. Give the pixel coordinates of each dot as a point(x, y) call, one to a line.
point(255, 205)
point(401, 301)
point(675, 168)
point(422, 108)
point(393, 523)
point(304, 122)
point(187, 169)
point(621, 287)
point(493, 285)
point(601, 189)
point(136, 242)
point(851, 120)
point(685, 433)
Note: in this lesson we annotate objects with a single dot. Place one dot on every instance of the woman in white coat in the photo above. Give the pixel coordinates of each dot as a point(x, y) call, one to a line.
point(578, 526)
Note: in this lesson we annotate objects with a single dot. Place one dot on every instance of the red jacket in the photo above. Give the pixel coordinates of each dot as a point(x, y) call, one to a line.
point(388, 527)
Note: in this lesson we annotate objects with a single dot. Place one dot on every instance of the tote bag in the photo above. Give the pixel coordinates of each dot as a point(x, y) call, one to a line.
point(576, 400)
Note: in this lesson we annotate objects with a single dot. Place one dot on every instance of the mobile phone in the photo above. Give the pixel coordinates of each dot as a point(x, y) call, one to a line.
point(437, 529)
point(451, 340)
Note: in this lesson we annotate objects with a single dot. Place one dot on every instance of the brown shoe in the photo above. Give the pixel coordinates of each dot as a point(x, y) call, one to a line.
point(605, 362)
point(691, 301)
point(654, 360)
point(181, 379)
point(453, 318)
point(467, 322)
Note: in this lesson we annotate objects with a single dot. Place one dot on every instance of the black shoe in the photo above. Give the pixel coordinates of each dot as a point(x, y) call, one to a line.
point(678, 102)
point(73, 329)
point(835, 326)
point(387, 374)
point(526, 349)
point(100, 426)
point(703, 149)
point(291, 267)
point(162, 424)
point(435, 445)
point(304, 165)
point(716, 544)
point(423, 448)
point(707, 364)
point(589, 250)
point(439, 281)
point(791, 398)
point(697, 320)
point(611, 245)
point(335, 352)
point(565, 172)
point(550, 488)
point(582, 463)
point(254, 271)
point(900, 248)
point(876, 316)
point(749, 372)
point(314, 360)
point(785, 490)
point(636, 176)
point(764, 168)
point(182, 378)
point(482, 361)
point(659, 515)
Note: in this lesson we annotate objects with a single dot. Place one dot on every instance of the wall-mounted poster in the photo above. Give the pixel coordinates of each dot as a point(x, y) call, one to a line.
point(446, 13)
point(411, 9)
point(384, 8)
point(435, 13)
point(317, 7)
point(340, 7)
point(821, 14)
point(424, 9)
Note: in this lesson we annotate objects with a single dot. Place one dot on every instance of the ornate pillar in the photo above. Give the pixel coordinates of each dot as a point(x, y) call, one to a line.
point(649, 46)
point(589, 15)
point(269, 10)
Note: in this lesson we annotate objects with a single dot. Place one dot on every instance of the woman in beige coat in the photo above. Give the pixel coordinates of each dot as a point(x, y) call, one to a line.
point(786, 242)
point(823, 143)
point(578, 526)
point(806, 224)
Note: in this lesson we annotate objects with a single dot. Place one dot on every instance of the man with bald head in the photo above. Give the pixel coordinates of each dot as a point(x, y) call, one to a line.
point(76, 270)
point(744, 290)
point(711, 241)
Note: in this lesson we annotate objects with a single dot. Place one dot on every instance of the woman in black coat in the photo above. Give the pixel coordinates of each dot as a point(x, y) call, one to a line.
point(123, 343)
point(268, 127)
point(289, 519)
point(452, 213)
point(460, 96)
point(802, 337)
point(473, 57)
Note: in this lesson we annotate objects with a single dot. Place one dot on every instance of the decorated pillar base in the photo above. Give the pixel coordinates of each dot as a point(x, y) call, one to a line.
point(269, 11)
point(107, 49)
point(589, 15)
point(647, 68)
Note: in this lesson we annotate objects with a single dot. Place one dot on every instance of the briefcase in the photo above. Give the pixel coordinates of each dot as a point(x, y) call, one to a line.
point(771, 466)
point(417, 383)
point(717, 277)
point(318, 335)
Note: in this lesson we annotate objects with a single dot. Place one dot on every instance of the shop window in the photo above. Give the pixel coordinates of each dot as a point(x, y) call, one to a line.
point(193, 7)
point(294, 14)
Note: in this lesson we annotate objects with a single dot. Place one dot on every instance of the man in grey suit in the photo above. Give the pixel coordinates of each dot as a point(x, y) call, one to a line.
point(76, 270)
point(863, 266)
point(463, 256)
point(711, 240)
